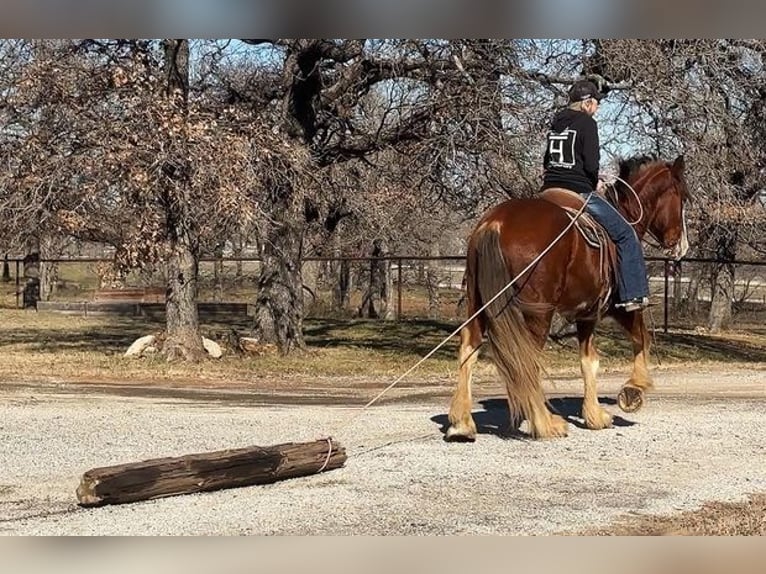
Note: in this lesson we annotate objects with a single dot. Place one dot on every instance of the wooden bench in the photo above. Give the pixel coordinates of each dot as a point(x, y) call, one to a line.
point(130, 295)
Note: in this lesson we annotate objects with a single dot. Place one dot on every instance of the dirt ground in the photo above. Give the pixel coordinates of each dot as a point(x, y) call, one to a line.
point(698, 440)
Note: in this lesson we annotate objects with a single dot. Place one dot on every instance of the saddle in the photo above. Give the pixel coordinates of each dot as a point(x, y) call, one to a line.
point(592, 233)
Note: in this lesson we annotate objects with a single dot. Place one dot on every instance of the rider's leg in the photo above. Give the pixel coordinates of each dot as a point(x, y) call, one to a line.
point(632, 283)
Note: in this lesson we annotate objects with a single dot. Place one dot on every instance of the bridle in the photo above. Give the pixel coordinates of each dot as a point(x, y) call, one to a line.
point(648, 231)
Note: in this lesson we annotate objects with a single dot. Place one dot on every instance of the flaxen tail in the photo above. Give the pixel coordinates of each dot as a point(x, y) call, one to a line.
point(514, 351)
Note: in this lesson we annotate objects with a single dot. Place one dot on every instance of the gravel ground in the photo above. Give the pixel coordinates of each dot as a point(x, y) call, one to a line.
point(694, 442)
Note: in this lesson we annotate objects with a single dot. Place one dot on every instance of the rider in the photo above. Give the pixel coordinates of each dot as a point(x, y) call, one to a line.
point(572, 161)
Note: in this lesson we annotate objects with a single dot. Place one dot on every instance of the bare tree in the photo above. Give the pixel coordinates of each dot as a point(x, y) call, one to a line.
point(703, 98)
point(437, 111)
point(111, 145)
point(317, 146)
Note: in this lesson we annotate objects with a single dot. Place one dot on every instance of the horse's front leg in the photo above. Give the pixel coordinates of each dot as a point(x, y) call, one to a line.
point(595, 416)
point(631, 396)
point(462, 425)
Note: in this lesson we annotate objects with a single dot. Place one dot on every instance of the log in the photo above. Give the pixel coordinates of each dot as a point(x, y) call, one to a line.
point(208, 471)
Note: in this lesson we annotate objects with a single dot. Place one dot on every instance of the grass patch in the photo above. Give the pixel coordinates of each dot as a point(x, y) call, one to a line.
point(52, 345)
point(40, 345)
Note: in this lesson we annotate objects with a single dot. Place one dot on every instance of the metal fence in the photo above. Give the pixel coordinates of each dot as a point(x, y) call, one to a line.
point(418, 286)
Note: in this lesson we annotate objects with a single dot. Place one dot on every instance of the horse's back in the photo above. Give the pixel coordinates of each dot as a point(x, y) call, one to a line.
point(530, 226)
point(525, 221)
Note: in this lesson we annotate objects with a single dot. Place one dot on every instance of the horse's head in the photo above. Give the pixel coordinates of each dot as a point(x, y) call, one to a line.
point(662, 193)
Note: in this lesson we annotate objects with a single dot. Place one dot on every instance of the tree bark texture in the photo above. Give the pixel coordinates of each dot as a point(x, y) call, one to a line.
point(209, 471)
point(6, 269)
point(49, 272)
point(31, 273)
point(279, 303)
point(378, 300)
point(432, 283)
point(678, 290)
point(693, 295)
point(342, 287)
point(722, 289)
point(183, 338)
point(218, 273)
point(339, 277)
point(310, 276)
point(237, 250)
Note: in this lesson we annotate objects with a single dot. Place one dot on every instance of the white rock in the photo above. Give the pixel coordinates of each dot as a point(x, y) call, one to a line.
point(213, 349)
point(139, 345)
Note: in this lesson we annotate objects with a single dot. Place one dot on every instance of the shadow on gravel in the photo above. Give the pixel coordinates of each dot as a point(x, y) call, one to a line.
point(571, 408)
point(494, 419)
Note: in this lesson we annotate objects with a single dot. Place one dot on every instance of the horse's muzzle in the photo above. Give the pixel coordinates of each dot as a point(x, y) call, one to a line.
point(679, 249)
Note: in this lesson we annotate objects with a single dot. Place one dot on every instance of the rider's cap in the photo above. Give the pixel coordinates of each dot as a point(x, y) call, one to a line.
point(584, 89)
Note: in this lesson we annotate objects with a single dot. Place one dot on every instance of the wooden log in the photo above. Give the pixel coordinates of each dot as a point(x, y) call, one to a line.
point(208, 471)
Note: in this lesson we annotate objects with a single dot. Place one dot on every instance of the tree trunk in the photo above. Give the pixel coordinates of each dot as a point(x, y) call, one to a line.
point(693, 294)
point(31, 288)
point(342, 290)
point(218, 273)
point(237, 248)
point(279, 303)
point(378, 300)
point(310, 278)
point(722, 288)
point(340, 277)
point(678, 291)
point(49, 272)
point(432, 284)
point(6, 269)
point(183, 339)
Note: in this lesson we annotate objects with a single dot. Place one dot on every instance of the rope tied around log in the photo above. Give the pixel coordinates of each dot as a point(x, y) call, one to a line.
point(329, 454)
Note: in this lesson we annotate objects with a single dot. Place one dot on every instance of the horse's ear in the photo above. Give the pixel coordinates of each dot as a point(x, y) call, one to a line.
point(678, 166)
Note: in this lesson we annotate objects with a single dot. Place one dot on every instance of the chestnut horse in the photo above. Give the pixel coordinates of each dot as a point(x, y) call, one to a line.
point(572, 277)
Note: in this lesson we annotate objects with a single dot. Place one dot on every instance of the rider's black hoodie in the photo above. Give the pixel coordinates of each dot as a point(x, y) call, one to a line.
point(572, 152)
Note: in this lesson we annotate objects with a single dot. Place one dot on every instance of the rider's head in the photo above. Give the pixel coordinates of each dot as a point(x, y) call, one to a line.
point(584, 96)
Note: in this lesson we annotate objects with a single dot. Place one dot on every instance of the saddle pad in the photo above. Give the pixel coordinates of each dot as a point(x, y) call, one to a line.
point(571, 202)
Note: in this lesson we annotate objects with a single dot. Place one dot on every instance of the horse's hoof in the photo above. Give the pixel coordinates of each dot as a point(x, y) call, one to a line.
point(557, 428)
point(630, 399)
point(599, 420)
point(454, 434)
point(560, 426)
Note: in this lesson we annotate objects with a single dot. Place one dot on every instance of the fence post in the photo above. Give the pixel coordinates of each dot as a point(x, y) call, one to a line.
point(399, 290)
point(665, 318)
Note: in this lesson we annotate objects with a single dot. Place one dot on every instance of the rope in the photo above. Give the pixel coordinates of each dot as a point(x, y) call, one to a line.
point(641, 208)
point(329, 453)
point(638, 199)
point(648, 232)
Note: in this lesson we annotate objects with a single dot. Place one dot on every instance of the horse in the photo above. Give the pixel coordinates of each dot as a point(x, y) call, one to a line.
point(572, 276)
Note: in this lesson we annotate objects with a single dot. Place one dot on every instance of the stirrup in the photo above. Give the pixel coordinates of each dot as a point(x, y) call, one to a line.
point(634, 304)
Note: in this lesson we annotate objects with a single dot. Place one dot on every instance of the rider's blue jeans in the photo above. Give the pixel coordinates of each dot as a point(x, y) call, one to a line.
point(632, 282)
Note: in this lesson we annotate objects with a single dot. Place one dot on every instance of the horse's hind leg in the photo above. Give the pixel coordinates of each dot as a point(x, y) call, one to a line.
point(631, 396)
point(595, 416)
point(462, 425)
point(542, 422)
